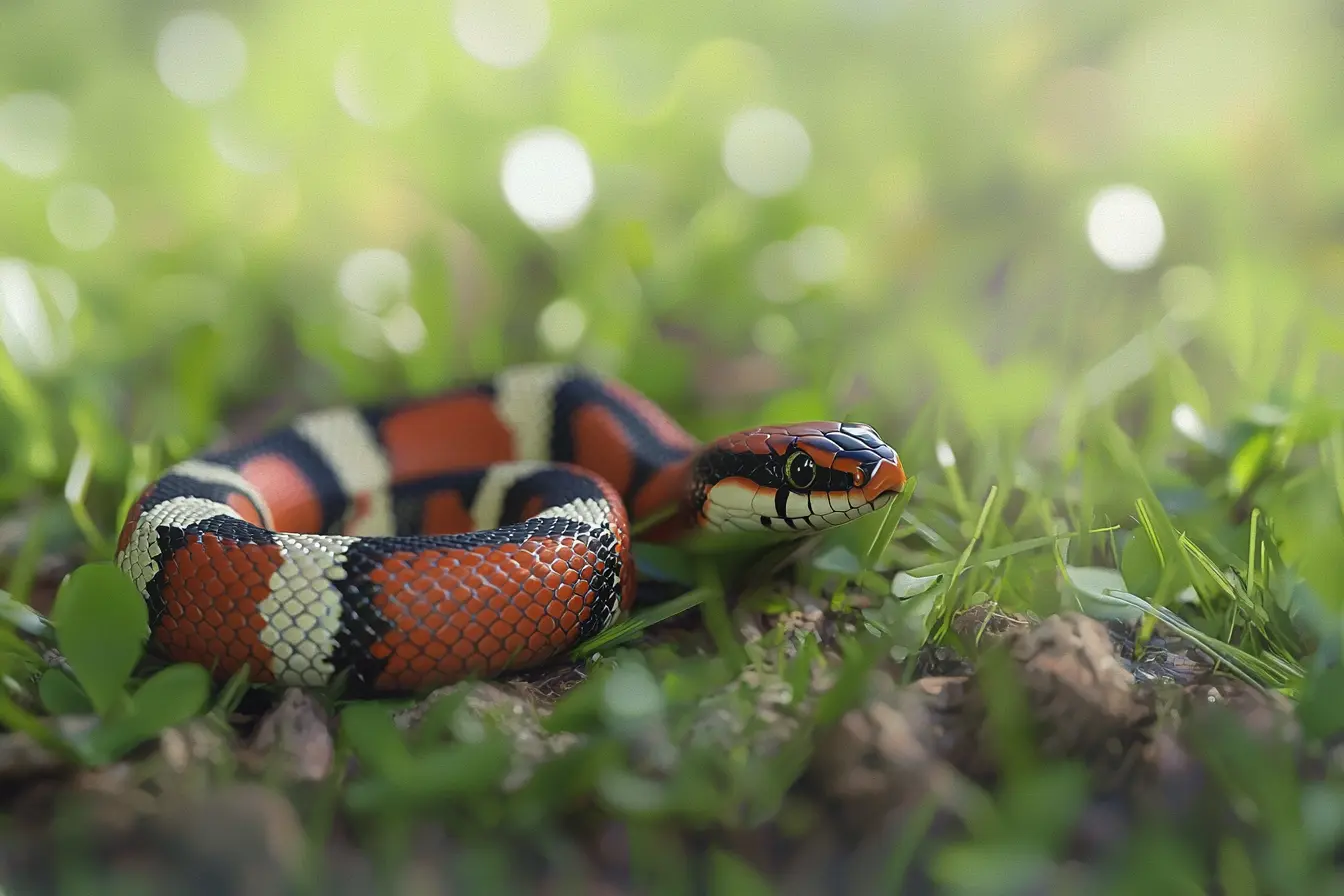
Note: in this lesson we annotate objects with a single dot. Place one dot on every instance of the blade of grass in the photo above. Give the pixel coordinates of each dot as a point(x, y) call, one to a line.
point(998, 553)
point(949, 604)
point(714, 608)
point(882, 537)
point(144, 463)
point(76, 488)
point(644, 525)
point(23, 570)
point(1270, 672)
point(26, 619)
point(626, 631)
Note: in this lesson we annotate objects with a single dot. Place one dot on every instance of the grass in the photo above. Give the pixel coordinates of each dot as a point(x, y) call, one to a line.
point(1160, 446)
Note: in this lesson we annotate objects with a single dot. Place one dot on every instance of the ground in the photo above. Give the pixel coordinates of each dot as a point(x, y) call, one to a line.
point(224, 808)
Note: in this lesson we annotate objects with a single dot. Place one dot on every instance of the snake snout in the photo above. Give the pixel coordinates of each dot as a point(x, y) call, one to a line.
point(880, 477)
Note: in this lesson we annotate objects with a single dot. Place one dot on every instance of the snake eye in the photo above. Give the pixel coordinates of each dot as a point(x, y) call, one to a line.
point(860, 478)
point(800, 470)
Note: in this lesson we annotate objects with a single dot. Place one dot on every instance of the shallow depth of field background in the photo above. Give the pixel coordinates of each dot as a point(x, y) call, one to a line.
point(1006, 211)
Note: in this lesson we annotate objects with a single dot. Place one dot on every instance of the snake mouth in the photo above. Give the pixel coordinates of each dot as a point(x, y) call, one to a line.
point(741, 505)
point(798, 479)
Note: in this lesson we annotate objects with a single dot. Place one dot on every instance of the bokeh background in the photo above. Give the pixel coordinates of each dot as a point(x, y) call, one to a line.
point(999, 213)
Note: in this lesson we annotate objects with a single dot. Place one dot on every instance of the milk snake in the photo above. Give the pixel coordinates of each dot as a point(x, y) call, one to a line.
point(487, 528)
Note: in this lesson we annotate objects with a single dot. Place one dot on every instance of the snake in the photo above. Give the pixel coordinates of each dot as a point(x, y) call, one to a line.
point(484, 529)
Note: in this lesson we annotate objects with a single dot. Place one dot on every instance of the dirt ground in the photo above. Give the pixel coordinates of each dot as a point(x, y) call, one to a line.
point(914, 757)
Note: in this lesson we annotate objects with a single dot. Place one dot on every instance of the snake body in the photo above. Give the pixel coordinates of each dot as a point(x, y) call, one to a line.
point(484, 529)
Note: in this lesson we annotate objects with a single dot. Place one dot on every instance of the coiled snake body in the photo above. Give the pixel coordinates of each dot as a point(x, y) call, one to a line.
point(484, 529)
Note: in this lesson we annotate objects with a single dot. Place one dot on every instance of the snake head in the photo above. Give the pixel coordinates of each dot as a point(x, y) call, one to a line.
point(795, 479)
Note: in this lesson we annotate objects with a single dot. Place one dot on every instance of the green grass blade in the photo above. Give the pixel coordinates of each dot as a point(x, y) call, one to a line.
point(627, 630)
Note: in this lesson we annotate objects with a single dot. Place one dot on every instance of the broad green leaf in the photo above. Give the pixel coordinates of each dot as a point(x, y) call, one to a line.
point(906, 623)
point(171, 696)
point(101, 624)
point(1249, 461)
point(837, 559)
point(1093, 587)
point(904, 585)
point(61, 696)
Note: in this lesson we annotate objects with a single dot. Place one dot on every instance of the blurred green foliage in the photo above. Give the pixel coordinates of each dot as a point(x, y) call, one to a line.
point(954, 146)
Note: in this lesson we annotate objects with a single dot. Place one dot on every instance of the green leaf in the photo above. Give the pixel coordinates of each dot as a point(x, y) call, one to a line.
point(1310, 532)
point(837, 559)
point(101, 624)
point(1249, 461)
point(627, 630)
point(61, 696)
point(375, 738)
point(438, 775)
point(1140, 565)
point(1093, 587)
point(436, 725)
point(906, 623)
point(731, 875)
point(1320, 711)
point(171, 696)
point(905, 586)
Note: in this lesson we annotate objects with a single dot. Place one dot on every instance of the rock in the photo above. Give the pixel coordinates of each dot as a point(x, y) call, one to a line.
point(1080, 701)
point(985, 623)
point(296, 735)
point(198, 742)
point(1080, 698)
point(883, 757)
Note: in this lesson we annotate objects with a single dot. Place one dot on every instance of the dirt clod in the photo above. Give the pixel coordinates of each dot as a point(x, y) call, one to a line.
point(296, 734)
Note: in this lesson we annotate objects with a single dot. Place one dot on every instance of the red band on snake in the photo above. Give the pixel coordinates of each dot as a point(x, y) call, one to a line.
point(482, 530)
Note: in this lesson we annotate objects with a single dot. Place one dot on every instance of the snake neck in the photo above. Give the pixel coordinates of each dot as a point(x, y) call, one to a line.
point(664, 510)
